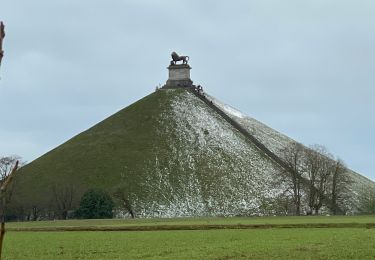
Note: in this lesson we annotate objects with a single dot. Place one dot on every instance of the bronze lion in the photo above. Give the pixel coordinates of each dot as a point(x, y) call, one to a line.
point(176, 57)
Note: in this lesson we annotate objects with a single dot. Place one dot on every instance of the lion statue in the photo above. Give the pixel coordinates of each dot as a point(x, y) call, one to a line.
point(176, 57)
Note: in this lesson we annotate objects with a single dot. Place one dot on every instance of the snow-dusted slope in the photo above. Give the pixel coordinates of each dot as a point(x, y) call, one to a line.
point(276, 141)
point(172, 155)
point(222, 174)
point(272, 139)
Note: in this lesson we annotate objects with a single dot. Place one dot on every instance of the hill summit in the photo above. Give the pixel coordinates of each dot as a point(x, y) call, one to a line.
point(176, 152)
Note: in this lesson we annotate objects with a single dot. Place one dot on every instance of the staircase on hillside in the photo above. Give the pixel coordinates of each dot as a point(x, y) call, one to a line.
point(179, 77)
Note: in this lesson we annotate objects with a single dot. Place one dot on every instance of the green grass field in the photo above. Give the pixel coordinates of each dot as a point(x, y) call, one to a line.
point(300, 242)
point(302, 221)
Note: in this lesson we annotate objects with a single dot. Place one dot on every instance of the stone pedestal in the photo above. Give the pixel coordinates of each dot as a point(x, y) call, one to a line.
point(179, 76)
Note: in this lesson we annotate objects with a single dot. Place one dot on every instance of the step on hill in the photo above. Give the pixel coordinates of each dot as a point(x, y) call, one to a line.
point(176, 152)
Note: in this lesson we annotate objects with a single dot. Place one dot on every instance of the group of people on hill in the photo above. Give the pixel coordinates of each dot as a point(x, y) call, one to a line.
point(198, 89)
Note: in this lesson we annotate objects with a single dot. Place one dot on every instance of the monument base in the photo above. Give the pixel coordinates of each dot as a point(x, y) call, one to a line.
point(178, 84)
point(179, 76)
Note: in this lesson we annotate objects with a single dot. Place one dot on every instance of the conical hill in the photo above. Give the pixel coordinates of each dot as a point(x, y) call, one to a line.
point(170, 154)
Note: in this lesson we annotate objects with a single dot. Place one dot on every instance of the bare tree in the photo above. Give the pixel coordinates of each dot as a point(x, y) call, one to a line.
point(339, 184)
point(63, 199)
point(367, 200)
point(314, 173)
point(124, 197)
point(319, 164)
point(6, 164)
point(4, 188)
point(293, 156)
point(284, 203)
point(312, 161)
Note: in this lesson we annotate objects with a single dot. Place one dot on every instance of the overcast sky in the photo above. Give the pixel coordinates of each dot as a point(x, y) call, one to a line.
point(305, 68)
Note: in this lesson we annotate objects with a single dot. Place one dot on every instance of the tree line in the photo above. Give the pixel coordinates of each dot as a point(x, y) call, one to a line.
point(316, 181)
point(66, 200)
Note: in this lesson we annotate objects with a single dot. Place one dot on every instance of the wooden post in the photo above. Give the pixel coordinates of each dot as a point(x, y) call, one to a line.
point(3, 190)
point(2, 35)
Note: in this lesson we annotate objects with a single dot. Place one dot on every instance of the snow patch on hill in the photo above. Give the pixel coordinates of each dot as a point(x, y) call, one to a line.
point(211, 169)
point(232, 111)
point(223, 173)
point(276, 142)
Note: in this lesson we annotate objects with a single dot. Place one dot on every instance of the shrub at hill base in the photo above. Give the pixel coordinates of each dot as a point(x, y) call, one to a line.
point(95, 203)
